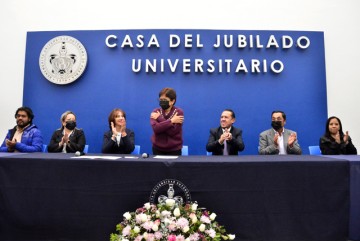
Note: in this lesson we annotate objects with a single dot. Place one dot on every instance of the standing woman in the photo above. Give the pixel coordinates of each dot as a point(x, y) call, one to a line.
point(67, 139)
point(119, 139)
point(166, 123)
point(334, 141)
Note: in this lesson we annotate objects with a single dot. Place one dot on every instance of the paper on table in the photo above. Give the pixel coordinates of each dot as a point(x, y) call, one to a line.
point(166, 157)
point(131, 157)
point(98, 157)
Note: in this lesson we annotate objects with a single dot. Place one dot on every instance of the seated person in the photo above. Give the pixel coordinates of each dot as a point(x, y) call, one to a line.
point(334, 141)
point(278, 140)
point(68, 138)
point(119, 139)
point(225, 139)
point(25, 136)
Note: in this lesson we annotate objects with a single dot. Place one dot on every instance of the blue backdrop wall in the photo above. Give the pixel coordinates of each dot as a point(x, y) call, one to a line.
point(259, 72)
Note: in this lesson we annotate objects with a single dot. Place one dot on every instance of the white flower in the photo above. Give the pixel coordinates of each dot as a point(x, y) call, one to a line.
point(166, 221)
point(170, 202)
point(165, 214)
point(186, 229)
point(213, 216)
point(145, 234)
point(194, 206)
point(202, 227)
point(155, 228)
point(157, 214)
point(187, 239)
point(136, 229)
point(124, 239)
point(231, 236)
point(177, 212)
point(147, 206)
point(143, 217)
point(127, 216)
point(193, 217)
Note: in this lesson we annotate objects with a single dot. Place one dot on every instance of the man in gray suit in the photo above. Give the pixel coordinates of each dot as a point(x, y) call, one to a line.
point(278, 140)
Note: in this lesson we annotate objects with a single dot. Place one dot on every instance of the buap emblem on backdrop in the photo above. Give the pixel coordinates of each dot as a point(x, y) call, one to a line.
point(63, 60)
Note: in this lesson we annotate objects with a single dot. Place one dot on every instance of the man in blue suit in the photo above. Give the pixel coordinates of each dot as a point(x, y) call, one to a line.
point(226, 139)
point(278, 140)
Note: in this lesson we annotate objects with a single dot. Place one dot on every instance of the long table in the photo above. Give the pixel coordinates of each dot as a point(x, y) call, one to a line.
point(47, 196)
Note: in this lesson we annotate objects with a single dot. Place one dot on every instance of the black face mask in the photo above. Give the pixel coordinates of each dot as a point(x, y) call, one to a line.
point(70, 125)
point(164, 104)
point(276, 125)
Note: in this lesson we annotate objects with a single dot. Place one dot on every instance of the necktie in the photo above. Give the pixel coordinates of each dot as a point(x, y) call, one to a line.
point(226, 152)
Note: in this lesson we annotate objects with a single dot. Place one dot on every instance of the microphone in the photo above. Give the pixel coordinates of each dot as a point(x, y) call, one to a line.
point(145, 155)
point(79, 153)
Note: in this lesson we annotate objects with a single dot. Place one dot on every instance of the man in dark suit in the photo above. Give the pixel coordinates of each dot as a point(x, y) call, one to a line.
point(226, 139)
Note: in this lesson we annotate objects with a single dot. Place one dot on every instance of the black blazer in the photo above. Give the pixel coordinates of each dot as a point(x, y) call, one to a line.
point(127, 143)
point(329, 146)
point(234, 146)
point(76, 141)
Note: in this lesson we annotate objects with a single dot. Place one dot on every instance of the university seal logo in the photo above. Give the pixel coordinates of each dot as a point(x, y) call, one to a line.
point(172, 187)
point(63, 60)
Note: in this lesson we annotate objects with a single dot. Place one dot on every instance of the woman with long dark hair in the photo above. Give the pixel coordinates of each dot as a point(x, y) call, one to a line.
point(334, 141)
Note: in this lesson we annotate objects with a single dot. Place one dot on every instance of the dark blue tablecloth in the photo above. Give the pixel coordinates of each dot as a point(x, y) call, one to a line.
point(46, 196)
point(354, 229)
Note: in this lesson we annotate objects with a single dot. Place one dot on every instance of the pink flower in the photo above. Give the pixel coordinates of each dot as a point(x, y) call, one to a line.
point(150, 237)
point(157, 222)
point(194, 237)
point(140, 210)
point(205, 219)
point(180, 238)
point(182, 222)
point(126, 230)
point(211, 232)
point(172, 226)
point(158, 235)
point(147, 225)
point(171, 237)
point(138, 238)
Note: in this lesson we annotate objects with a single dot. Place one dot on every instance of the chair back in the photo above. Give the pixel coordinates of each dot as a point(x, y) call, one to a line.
point(185, 151)
point(314, 150)
point(44, 148)
point(136, 150)
point(86, 149)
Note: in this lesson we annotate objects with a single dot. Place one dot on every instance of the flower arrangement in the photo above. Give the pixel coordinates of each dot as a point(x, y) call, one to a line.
point(170, 222)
